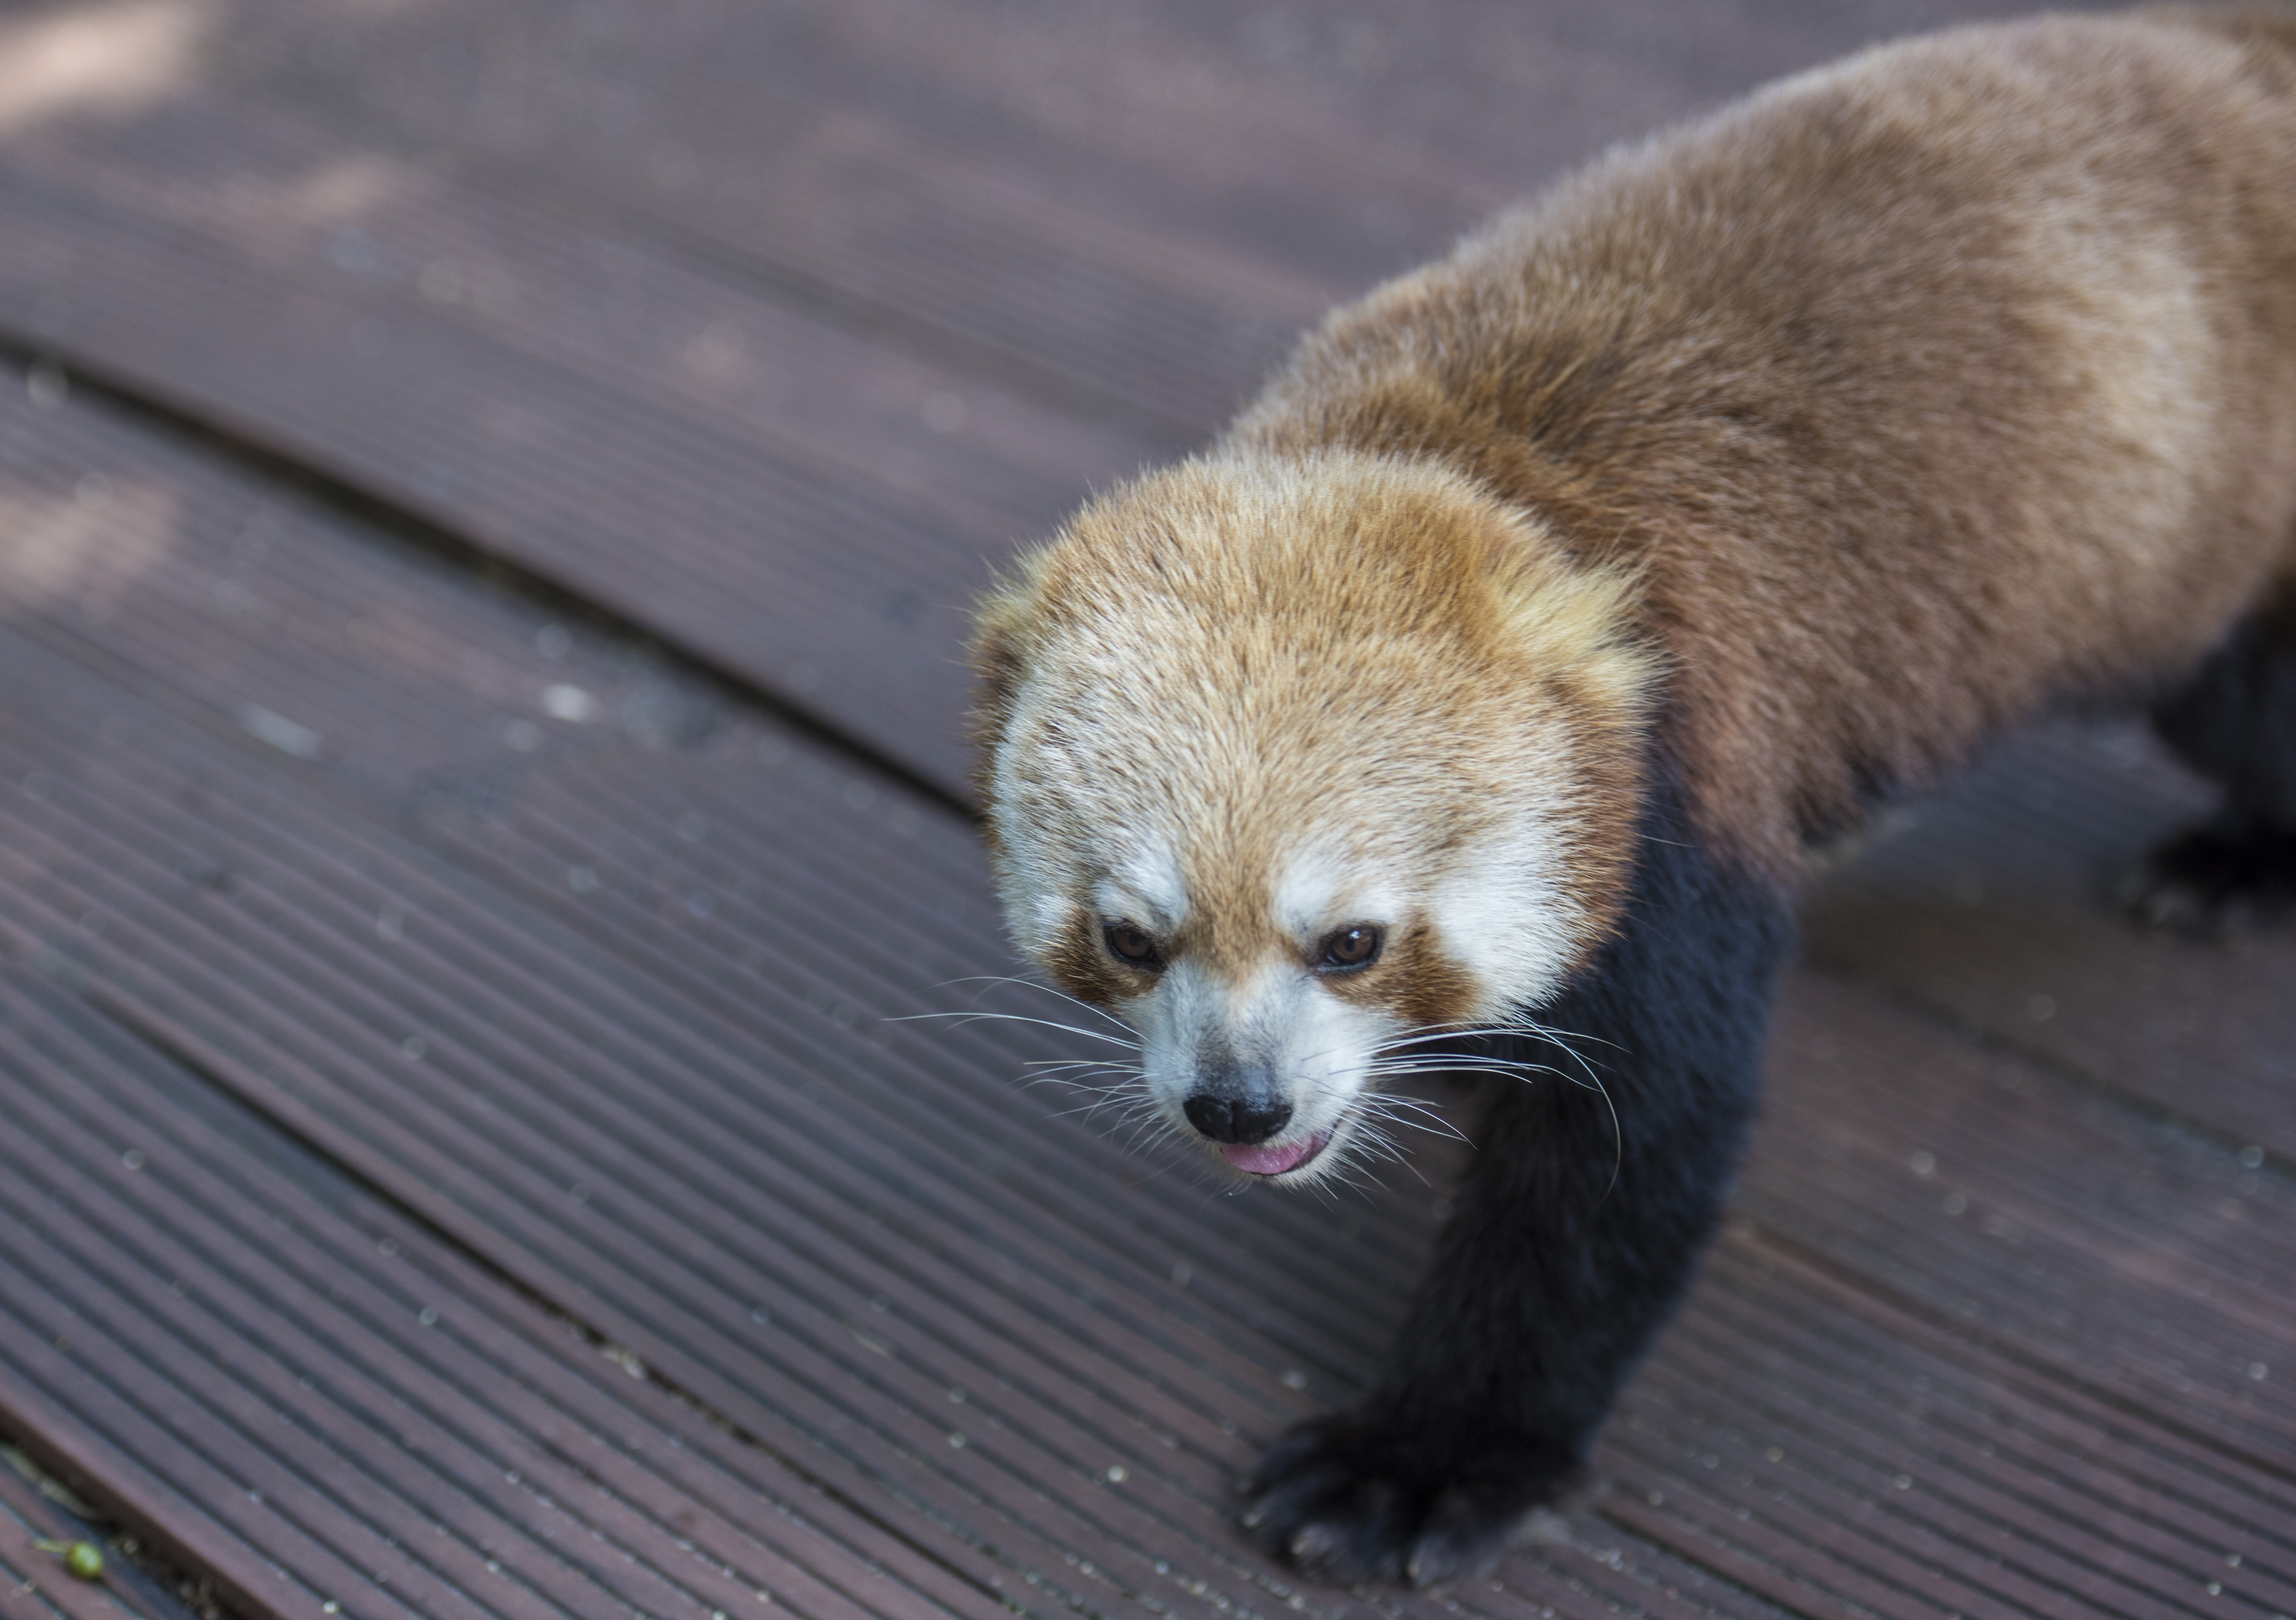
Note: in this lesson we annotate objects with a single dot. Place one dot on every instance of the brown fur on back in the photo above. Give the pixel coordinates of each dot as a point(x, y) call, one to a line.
point(1918, 392)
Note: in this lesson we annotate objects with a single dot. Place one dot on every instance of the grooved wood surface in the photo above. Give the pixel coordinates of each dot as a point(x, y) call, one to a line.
point(1982, 902)
point(481, 1130)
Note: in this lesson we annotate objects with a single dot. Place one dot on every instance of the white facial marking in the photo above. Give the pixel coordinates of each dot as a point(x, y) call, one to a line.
point(1145, 887)
point(1506, 917)
point(1308, 890)
point(1048, 917)
point(1187, 1006)
point(1318, 891)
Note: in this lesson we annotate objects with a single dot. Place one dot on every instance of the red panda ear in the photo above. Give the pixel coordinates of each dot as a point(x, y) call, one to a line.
point(995, 654)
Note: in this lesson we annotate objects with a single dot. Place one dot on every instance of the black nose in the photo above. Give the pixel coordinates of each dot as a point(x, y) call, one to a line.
point(1251, 1118)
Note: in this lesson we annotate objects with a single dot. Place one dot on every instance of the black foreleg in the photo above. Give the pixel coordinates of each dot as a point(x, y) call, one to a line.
point(2235, 721)
point(1570, 1244)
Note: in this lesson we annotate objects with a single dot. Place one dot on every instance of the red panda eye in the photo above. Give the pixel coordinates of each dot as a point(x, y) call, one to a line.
point(1132, 946)
point(1357, 945)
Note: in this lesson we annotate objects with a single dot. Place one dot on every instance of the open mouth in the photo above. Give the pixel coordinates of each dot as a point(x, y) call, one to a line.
point(1275, 1158)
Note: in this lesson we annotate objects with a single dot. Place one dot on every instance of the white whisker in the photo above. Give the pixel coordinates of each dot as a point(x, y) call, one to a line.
point(1018, 1017)
point(1434, 1125)
point(1392, 1058)
point(1030, 984)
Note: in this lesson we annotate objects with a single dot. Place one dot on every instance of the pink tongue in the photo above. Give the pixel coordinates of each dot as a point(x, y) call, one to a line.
point(1264, 1159)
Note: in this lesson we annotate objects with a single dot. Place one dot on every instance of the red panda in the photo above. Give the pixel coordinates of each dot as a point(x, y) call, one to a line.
point(1475, 696)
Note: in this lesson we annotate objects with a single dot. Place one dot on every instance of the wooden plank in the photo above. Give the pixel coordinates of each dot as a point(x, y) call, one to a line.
point(1991, 904)
point(1058, 255)
point(1333, 143)
point(766, 489)
point(2146, 1261)
point(1839, 1459)
point(298, 1391)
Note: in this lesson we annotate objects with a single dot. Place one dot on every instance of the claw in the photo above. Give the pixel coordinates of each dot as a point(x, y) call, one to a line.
point(1315, 1544)
point(1436, 1559)
point(1326, 1552)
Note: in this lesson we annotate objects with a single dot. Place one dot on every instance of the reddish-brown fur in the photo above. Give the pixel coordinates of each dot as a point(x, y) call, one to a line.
point(1921, 392)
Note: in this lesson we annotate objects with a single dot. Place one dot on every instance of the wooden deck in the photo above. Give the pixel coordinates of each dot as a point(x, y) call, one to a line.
point(488, 494)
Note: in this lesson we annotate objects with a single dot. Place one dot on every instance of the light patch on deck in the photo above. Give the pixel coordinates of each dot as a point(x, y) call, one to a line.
point(113, 58)
point(86, 547)
point(286, 735)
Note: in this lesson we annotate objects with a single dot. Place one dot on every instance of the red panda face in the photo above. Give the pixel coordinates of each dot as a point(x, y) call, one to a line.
point(1289, 766)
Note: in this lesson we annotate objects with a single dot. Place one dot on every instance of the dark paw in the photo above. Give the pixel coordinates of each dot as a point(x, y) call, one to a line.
point(1349, 1497)
point(2210, 881)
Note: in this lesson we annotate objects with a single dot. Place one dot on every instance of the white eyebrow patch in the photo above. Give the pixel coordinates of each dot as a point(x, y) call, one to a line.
point(1317, 890)
point(1146, 888)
